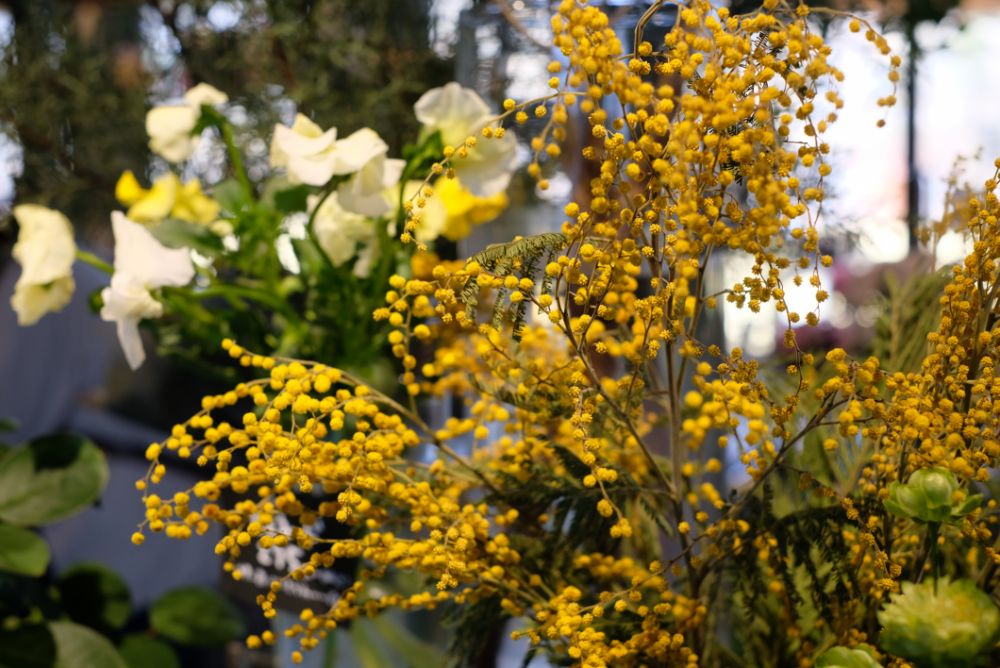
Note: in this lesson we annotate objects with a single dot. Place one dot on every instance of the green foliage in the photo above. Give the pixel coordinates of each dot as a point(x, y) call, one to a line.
point(473, 627)
point(22, 551)
point(384, 641)
point(143, 651)
point(79, 647)
point(50, 479)
point(809, 557)
point(522, 257)
point(175, 233)
point(196, 616)
point(845, 657)
point(908, 313)
point(27, 646)
point(95, 596)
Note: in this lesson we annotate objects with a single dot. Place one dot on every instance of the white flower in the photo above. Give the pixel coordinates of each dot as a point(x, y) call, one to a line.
point(45, 250)
point(141, 264)
point(364, 192)
point(344, 235)
point(452, 110)
point(458, 113)
point(169, 126)
point(314, 156)
point(306, 150)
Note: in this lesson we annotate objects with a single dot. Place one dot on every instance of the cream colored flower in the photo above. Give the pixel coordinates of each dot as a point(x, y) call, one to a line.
point(314, 156)
point(306, 150)
point(458, 113)
point(169, 126)
point(45, 250)
point(364, 192)
point(344, 235)
point(142, 264)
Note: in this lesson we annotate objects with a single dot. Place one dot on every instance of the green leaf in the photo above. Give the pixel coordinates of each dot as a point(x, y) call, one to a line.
point(229, 194)
point(393, 633)
point(291, 200)
point(175, 233)
point(27, 646)
point(79, 647)
point(196, 616)
point(142, 651)
point(22, 551)
point(49, 479)
point(95, 596)
point(8, 424)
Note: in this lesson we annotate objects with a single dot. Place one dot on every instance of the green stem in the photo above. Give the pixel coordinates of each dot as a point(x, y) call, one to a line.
point(929, 550)
point(226, 130)
point(310, 229)
point(89, 258)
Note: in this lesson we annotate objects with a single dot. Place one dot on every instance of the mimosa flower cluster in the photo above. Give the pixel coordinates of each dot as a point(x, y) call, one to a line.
point(580, 488)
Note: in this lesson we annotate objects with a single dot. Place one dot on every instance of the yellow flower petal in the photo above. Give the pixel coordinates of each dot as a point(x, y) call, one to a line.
point(158, 202)
point(127, 190)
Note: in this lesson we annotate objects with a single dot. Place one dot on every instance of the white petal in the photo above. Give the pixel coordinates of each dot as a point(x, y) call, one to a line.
point(205, 94)
point(339, 231)
point(45, 247)
point(366, 260)
point(131, 342)
point(139, 255)
point(304, 138)
point(354, 200)
point(452, 110)
point(32, 300)
point(489, 166)
point(314, 170)
point(392, 172)
point(126, 298)
point(357, 150)
point(169, 129)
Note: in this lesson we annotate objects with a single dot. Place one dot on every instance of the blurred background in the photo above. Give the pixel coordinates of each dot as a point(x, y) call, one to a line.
point(76, 80)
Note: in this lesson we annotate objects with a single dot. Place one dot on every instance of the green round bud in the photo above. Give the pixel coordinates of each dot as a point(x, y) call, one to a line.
point(929, 496)
point(938, 485)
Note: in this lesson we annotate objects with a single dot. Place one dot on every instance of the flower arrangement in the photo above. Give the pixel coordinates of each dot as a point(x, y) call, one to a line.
point(279, 263)
point(578, 490)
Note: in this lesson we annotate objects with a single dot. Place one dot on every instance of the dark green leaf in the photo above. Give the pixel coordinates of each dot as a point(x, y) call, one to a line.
point(574, 465)
point(95, 596)
point(8, 424)
point(176, 233)
point(49, 479)
point(20, 595)
point(142, 651)
point(28, 646)
point(22, 551)
point(196, 616)
point(292, 200)
point(79, 647)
